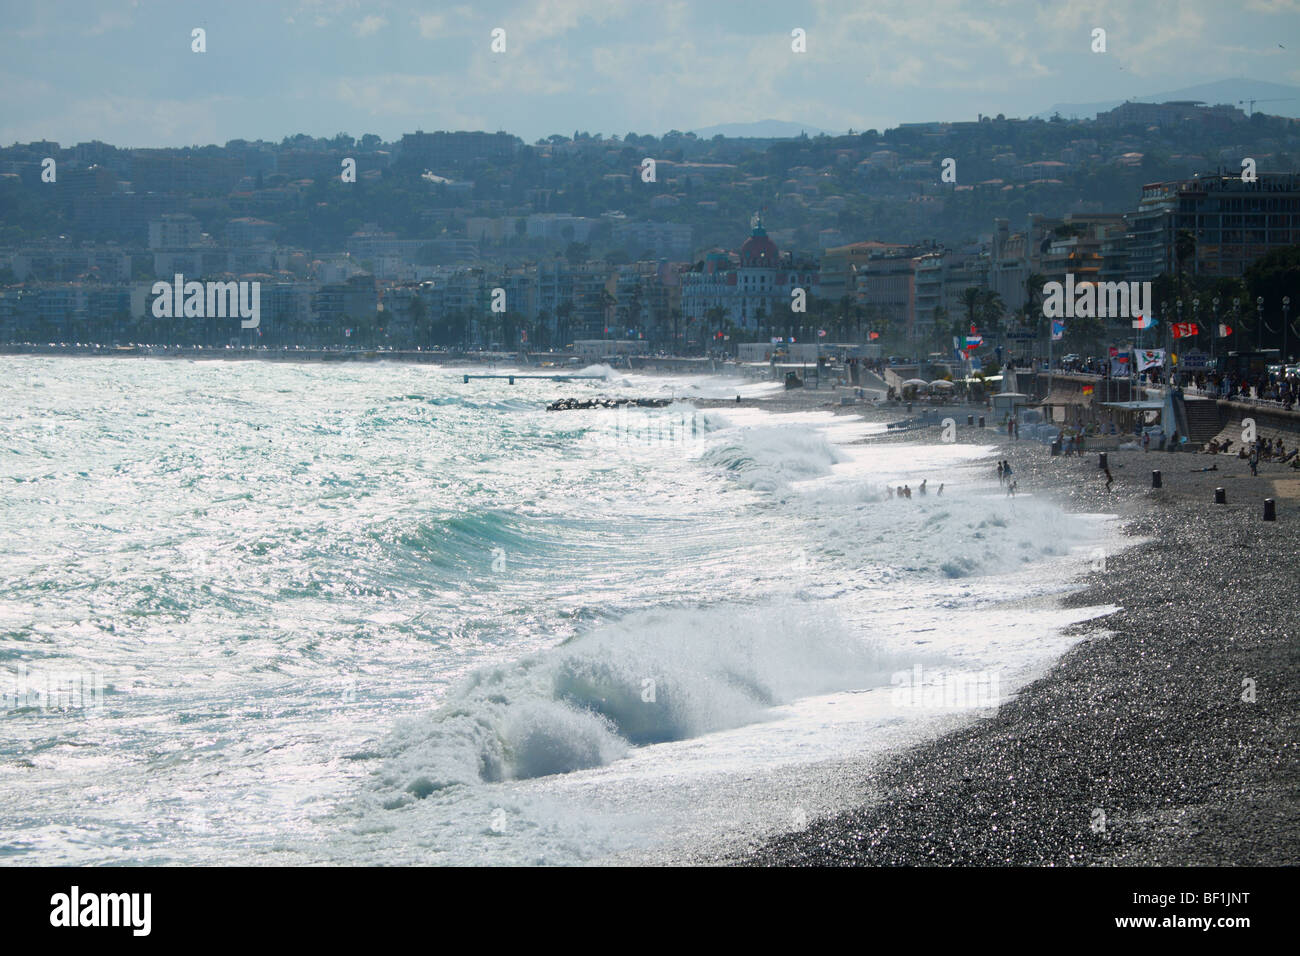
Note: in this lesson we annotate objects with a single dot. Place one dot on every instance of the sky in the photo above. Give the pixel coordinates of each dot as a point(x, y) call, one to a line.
point(123, 71)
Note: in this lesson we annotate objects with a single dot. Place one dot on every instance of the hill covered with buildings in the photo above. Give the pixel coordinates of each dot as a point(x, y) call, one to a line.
point(907, 232)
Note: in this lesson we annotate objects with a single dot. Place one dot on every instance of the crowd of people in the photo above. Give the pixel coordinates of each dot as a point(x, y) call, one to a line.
point(1262, 449)
point(1264, 386)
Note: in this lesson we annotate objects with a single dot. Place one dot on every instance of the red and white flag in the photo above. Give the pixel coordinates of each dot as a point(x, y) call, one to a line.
point(1184, 329)
point(1224, 330)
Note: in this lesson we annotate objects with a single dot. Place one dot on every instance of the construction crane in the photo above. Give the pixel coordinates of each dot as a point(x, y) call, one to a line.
point(1275, 99)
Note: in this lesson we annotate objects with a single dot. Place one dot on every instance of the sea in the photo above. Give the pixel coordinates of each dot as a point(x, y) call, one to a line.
point(372, 613)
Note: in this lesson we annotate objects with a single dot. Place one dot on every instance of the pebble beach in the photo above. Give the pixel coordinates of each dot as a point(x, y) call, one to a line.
point(1166, 736)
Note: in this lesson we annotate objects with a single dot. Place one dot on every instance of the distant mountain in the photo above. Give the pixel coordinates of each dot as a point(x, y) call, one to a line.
point(763, 129)
point(1278, 99)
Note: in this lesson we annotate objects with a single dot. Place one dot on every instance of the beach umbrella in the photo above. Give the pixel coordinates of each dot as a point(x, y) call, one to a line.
point(915, 382)
point(941, 383)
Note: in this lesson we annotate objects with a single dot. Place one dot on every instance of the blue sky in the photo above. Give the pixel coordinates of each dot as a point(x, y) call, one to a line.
point(122, 70)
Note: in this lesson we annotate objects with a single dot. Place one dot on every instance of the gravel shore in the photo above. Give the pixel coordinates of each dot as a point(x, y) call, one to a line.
point(1137, 747)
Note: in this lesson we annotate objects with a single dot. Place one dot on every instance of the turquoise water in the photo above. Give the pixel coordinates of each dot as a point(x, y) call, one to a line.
point(369, 613)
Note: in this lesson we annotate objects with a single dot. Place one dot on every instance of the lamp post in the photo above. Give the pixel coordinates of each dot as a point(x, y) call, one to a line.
point(1172, 370)
point(1286, 314)
point(1196, 320)
point(1214, 330)
point(1259, 320)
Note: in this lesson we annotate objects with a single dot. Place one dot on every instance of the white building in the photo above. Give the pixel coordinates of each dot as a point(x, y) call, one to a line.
point(751, 292)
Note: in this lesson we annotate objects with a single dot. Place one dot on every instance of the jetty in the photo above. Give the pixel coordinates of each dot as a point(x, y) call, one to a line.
point(568, 404)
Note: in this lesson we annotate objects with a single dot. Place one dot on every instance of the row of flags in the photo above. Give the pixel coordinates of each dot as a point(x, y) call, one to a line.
point(821, 334)
point(1186, 329)
point(964, 350)
point(1123, 362)
point(1179, 329)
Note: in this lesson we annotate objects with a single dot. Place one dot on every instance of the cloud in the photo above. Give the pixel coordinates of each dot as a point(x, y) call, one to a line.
point(110, 20)
point(371, 24)
point(430, 25)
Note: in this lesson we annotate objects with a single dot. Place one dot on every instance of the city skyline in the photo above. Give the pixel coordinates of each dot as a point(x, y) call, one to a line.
point(126, 73)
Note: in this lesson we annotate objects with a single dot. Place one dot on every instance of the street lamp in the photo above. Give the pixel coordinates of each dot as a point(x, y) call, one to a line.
point(1286, 313)
point(1214, 330)
point(1259, 316)
point(1179, 305)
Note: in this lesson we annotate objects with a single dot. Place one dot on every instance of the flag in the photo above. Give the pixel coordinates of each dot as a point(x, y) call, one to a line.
point(1150, 358)
point(973, 341)
point(1087, 389)
point(1144, 322)
point(821, 333)
point(874, 335)
point(1224, 330)
point(1058, 330)
point(1184, 329)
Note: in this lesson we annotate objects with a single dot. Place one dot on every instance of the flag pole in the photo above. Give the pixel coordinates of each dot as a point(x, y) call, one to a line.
point(1050, 336)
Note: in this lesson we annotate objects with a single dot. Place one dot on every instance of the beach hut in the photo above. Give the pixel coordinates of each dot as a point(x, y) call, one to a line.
point(1006, 404)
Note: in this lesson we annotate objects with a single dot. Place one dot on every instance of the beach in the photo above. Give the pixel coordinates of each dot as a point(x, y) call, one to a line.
point(344, 598)
point(1166, 736)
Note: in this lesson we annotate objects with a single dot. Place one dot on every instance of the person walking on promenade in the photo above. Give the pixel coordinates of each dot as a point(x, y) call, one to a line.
point(1254, 462)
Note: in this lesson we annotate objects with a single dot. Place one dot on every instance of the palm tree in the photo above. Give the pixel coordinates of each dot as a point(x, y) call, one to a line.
point(1184, 248)
point(940, 321)
point(1034, 283)
point(714, 318)
point(971, 298)
point(607, 303)
point(991, 309)
point(760, 319)
point(563, 316)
